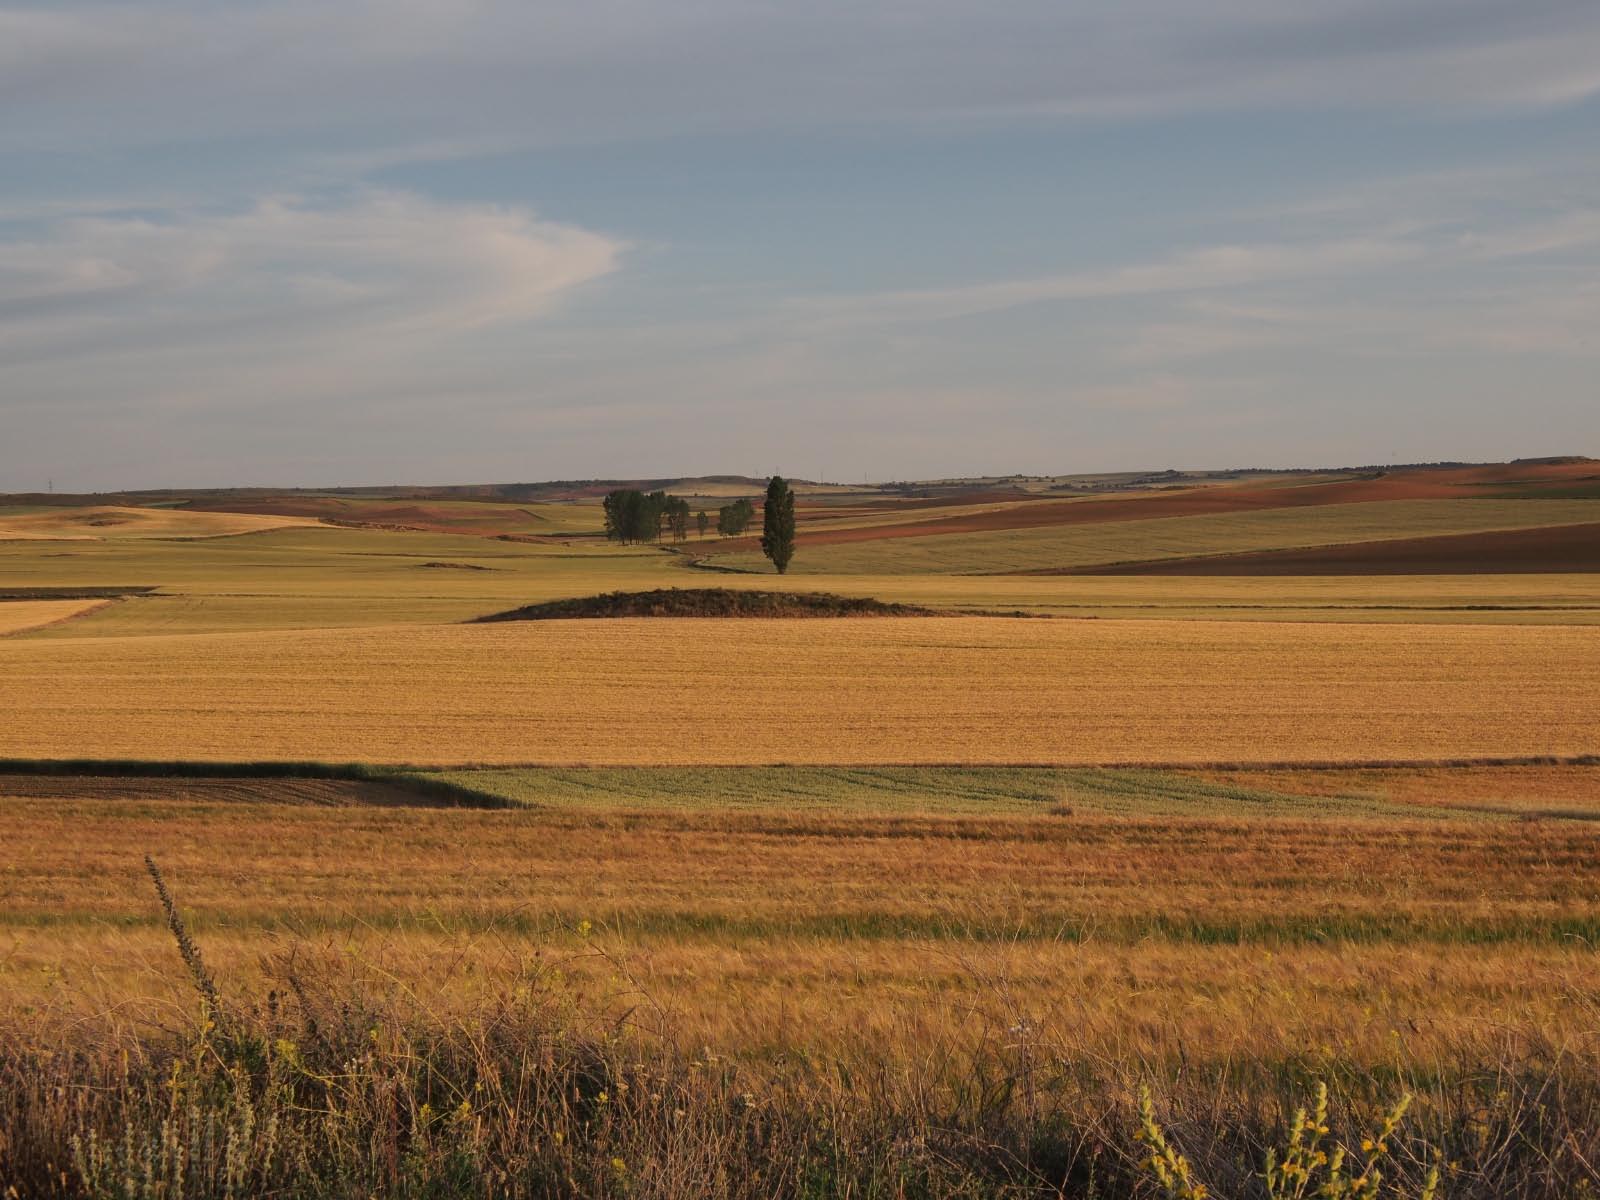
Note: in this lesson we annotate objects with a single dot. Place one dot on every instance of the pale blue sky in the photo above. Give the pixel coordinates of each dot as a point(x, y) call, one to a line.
point(318, 242)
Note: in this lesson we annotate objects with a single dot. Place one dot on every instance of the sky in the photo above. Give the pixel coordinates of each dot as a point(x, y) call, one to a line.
point(325, 242)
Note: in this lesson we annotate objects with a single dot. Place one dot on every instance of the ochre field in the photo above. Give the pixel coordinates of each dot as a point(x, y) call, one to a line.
point(891, 690)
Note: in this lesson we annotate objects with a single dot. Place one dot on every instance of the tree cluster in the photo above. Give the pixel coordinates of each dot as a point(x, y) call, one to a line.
point(635, 516)
point(733, 519)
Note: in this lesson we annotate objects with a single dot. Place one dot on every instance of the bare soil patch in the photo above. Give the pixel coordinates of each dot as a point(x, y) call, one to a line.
point(1561, 549)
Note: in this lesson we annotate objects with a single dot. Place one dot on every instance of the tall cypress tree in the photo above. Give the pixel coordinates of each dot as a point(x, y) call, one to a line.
point(777, 524)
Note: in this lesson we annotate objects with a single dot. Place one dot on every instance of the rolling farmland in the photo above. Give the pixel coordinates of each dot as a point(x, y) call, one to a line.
point(1225, 834)
point(1079, 545)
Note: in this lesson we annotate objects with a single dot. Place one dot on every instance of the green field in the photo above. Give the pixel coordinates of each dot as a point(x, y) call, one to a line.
point(1380, 794)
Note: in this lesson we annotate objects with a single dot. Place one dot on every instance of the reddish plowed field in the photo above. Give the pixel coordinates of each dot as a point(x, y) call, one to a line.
point(1189, 502)
point(1563, 549)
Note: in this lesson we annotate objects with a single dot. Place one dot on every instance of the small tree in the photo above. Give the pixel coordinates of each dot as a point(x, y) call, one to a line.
point(678, 517)
point(777, 524)
point(733, 519)
point(627, 515)
point(702, 521)
point(657, 505)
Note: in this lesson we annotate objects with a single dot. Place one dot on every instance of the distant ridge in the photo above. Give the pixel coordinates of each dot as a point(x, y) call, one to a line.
point(580, 489)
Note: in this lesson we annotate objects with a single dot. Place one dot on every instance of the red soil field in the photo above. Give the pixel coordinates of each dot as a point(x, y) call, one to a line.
point(1562, 549)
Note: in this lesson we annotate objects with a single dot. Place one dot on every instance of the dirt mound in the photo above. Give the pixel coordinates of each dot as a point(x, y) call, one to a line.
point(710, 602)
point(452, 566)
point(1560, 549)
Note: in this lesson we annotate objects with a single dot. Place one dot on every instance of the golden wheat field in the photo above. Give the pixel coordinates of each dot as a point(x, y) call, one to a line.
point(1281, 936)
point(978, 690)
point(19, 615)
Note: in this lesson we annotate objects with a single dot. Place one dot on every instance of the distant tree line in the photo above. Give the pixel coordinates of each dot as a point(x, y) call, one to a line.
point(634, 516)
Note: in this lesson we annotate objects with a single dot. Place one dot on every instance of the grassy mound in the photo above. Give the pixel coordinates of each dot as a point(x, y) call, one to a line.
point(709, 602)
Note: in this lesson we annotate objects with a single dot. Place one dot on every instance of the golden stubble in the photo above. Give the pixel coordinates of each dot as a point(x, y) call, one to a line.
point(893, 690)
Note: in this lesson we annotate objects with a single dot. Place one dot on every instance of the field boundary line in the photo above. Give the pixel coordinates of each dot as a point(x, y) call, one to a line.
point(410, 778)
point(401, 772)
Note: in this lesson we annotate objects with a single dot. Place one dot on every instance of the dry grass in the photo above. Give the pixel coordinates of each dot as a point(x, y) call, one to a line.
point(338, 1083)
point(959, 690)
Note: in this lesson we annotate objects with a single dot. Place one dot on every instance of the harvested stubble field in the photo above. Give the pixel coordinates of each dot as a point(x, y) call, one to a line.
point(827, 965)
point(895, 690)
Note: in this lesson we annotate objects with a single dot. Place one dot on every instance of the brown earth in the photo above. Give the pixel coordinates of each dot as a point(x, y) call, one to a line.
point(1561, 549)
point(206, 789)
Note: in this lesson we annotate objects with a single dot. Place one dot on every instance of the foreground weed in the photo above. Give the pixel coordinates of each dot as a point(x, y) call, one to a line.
point(1306, 1168)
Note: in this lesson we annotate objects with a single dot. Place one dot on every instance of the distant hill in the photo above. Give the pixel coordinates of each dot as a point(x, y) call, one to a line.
point(710, 487)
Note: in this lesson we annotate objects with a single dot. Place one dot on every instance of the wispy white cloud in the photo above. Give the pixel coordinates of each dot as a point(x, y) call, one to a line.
point(374, 273)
